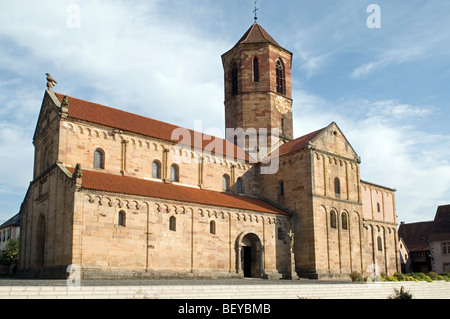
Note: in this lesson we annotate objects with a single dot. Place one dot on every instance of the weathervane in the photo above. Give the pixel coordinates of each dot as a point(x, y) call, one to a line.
point(255, 11)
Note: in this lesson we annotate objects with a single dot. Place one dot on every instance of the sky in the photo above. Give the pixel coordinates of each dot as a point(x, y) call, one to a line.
point(380, 72)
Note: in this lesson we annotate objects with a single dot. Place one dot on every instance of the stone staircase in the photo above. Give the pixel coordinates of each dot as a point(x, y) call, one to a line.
point(380, 290)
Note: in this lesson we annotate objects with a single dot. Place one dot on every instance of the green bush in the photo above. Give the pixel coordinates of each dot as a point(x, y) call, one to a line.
point(10, 254)
point(390, 278)
point(401, 294)
point(399, 276)
point(433, 275)
point(356, 276)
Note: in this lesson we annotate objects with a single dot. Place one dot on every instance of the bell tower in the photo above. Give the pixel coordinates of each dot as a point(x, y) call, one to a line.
point(258, 94)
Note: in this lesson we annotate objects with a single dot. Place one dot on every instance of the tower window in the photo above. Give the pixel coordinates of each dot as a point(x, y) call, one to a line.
point(99, 159)
point(344, 221)
point(255, 70)
point(281, 188)
point(234, 80)
point(333, 221)
point(281, 87)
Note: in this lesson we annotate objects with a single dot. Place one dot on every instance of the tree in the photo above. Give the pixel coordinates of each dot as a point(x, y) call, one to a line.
point(10, 254)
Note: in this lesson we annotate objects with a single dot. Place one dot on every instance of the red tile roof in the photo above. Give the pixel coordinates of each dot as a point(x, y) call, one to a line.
point(119, 184)
point(294, 145)
point(441, 223)
point(416, 235)
point(298, 144)
point(118, 119)
point(257, 34)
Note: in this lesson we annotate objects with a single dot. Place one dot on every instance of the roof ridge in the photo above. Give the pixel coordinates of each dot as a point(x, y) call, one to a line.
point(115, 109)
point(129, 185)
point(163, 132)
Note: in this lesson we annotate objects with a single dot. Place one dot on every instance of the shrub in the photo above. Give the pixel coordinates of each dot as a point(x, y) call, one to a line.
point(10, 254)
point(401, 294)
point(433, 275)
point(410, 278)
point(421, 277)
point(399, 276)
point(356, 276)
point(390, 278)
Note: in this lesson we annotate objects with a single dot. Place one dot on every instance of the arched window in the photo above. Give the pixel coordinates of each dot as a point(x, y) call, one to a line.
point(255, 70)
point(172, 223)
point(174, 173)
point(156, 169)
point(333, 221)
point(281, 188)
point(337, 186)
point(99, 159)
point(280, 233)
point(226, 183)
point(239, 185)
point(379, 243)
point(234, 80)
point(212, 227)
point(46, 159)
point(344, 221)
point(122, 218)
point(281, 88)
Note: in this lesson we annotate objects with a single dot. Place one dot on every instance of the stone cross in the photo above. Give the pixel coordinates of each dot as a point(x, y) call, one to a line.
point(291, 239)
point(255, 11)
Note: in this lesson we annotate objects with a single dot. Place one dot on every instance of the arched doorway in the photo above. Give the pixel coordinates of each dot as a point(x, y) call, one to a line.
point(249, 255)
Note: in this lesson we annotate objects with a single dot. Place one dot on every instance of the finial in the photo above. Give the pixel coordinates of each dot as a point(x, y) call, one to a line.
point(50, 81)
point(255, 12)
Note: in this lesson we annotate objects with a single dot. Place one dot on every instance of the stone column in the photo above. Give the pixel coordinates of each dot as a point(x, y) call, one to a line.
point(261, 261)
point(292, 273)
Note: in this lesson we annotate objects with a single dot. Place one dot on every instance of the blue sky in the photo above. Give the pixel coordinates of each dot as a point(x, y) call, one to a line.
point(386, 88)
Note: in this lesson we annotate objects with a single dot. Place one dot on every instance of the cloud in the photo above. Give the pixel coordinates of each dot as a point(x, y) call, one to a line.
point(394, 153)
point(398, 110)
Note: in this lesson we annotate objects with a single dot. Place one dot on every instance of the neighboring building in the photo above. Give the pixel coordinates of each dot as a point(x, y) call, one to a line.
point(121, 195)
point(428, 243)
point(9, 230)
point(416, 238)
point(440, 240)
point(405, 259)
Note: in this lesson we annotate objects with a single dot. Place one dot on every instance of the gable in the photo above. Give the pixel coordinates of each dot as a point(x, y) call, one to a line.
point(332, 140)
point(49, 112)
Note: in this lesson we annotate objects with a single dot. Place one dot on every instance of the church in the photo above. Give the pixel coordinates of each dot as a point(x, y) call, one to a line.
point(120, 195)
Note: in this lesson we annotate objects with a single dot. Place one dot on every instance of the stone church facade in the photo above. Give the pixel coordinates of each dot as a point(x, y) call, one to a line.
point(125, 196)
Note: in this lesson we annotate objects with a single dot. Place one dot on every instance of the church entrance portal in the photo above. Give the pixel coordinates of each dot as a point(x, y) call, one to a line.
point(251, 256)
point(247, 258)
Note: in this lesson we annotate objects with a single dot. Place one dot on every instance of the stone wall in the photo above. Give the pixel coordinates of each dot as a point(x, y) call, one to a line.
point(47, 225)
point(146, 246)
